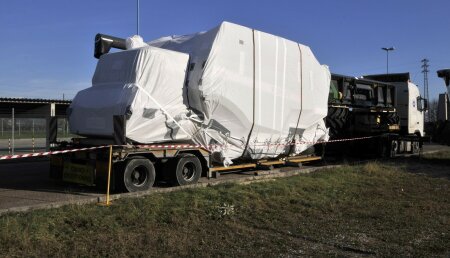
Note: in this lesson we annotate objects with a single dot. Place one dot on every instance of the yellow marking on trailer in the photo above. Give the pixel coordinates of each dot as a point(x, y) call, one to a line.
point(275, 162)
point(305, 159)
point(233, 167)
point(394, 127)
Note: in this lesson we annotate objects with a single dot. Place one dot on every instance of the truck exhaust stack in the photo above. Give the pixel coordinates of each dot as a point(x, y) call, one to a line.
point(104, 43)
point(445, 74)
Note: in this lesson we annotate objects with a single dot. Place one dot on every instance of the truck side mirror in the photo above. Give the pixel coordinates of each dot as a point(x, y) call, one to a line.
point(422, 104)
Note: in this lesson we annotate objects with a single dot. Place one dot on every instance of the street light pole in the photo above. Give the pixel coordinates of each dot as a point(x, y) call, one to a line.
point(137, 18)
point(387, 49)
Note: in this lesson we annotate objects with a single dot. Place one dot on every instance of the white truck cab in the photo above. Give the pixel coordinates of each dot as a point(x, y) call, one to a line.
point(409, 104)
point(410, 107)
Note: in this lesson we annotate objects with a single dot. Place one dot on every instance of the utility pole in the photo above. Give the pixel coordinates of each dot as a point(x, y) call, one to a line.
point(425, 85)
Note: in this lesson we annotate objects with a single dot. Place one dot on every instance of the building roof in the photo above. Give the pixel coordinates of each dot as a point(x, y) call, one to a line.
point(34, 101)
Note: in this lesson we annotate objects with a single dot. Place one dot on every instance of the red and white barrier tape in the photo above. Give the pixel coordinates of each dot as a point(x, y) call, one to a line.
point(47, 153)
point(180, 146)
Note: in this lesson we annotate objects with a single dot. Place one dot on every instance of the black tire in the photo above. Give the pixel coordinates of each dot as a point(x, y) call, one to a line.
point(185, 169)
point(384, 149)
point(139, 174)
point(394, 148)
point(415, 147)
point(336, 120)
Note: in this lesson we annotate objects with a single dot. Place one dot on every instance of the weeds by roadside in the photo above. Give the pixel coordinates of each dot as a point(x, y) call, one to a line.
point(371, 209)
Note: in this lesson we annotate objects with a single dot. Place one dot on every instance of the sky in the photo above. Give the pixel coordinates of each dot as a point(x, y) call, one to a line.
point(47, 46)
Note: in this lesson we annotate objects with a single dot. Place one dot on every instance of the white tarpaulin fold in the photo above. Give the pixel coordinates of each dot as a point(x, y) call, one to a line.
point(241, 92)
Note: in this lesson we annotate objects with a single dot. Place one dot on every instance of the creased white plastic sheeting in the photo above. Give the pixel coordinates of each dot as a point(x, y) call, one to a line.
point(147, 84)
point(247, 77)
point(247, 94)
point(135, 41)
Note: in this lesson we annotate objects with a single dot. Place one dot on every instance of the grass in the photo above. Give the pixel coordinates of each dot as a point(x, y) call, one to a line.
point(373, 209)
point(441, 156)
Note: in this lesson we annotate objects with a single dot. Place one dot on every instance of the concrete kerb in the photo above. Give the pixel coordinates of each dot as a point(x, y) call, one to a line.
point(245, 180)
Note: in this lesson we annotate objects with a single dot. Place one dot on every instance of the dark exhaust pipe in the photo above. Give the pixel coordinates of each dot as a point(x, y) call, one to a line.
point(104, 43)
point(444, 74)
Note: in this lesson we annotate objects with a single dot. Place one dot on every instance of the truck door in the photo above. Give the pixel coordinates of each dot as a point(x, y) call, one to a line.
point(416, 109)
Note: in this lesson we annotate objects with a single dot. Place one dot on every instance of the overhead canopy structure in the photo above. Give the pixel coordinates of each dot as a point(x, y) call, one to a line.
point(33, 108)
point(445, 74)
point(238, 91)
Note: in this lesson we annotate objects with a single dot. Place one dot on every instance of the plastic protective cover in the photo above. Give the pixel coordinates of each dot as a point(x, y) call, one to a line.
point(245, 93)
point(135, 41)
point(145, 84)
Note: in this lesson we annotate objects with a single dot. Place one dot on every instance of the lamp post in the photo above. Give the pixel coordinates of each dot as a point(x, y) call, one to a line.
point(137, 18)
point(387, 49)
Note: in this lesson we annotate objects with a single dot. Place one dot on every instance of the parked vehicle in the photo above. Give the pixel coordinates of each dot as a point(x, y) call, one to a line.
point(387, 108)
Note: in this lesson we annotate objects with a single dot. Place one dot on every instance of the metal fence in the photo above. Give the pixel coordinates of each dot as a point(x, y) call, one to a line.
point(22, 135)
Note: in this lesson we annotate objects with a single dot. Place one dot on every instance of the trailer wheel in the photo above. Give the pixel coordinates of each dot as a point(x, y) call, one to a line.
point(394, 148)
point(415, 147)
point(139, 174)
point(186, 169)
point(336, 120)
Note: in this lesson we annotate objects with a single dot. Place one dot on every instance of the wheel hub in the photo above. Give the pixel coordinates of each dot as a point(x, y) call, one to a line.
point(138, 176)
point(188, 171)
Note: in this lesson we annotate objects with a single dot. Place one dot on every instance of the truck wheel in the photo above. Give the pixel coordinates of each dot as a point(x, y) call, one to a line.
point(139, 174)
point(187, 169)
point(415, 147)
point(394, 148)
point(384, 149)
point(336, 120)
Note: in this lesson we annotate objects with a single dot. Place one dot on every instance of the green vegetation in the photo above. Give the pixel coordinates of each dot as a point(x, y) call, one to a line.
point(441, 156)
point(374, 209)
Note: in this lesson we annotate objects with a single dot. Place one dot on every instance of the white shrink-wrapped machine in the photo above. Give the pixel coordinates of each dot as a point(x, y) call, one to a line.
point(239, 92)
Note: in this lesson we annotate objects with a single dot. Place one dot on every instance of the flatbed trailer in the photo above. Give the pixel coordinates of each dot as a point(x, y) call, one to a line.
point(137, 167)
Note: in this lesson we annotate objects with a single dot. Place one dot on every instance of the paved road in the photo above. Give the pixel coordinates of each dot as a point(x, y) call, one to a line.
point(26, 183)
